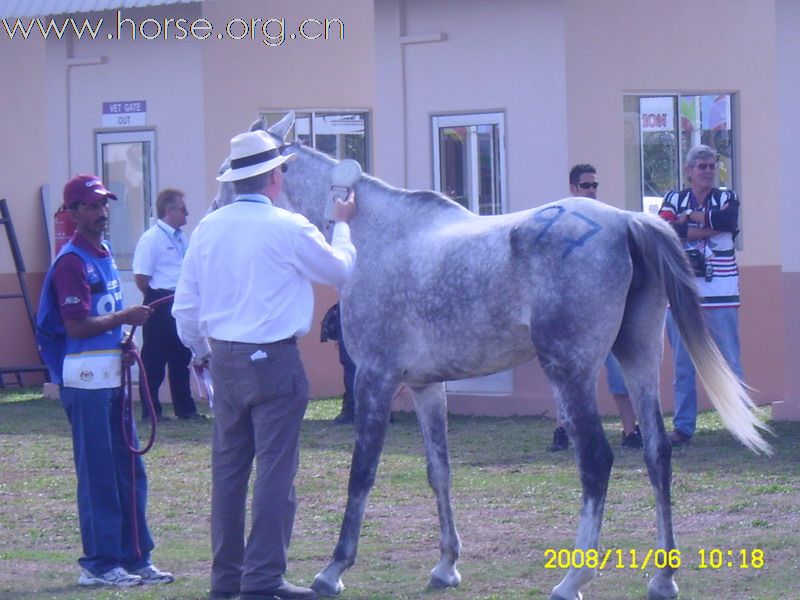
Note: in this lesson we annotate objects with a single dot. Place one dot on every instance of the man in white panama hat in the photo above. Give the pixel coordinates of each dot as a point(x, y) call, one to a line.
point(243, 298)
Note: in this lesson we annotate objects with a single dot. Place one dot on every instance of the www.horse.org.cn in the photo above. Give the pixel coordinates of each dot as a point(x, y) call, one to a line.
point(271, 32)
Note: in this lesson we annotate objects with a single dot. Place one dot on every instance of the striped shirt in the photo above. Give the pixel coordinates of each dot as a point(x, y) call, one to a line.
point(722, 210)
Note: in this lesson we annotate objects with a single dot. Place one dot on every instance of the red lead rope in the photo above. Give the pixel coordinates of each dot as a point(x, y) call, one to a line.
point(128, 418)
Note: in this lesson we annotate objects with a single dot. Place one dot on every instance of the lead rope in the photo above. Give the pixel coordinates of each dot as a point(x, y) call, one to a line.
point(128, 418)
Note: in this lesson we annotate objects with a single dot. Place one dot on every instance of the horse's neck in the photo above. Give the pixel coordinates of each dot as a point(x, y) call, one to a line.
point(379, 206)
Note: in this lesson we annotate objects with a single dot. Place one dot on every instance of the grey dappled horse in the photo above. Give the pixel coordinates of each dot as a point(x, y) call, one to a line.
point(439, 293)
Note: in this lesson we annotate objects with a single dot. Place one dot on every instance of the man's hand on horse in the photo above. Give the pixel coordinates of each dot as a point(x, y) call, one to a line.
point(345, 209)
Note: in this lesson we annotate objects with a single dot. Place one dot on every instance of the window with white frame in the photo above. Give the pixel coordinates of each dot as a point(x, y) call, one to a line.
point(469, 160)
point(661, 129)
point(339, 134)
point(126, 164)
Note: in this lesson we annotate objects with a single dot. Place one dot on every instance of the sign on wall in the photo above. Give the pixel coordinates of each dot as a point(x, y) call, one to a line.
point(128, 113)
point(657, 114)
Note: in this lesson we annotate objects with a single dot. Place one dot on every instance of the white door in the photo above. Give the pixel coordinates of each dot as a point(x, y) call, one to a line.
point(469, 167)
point(126, 164)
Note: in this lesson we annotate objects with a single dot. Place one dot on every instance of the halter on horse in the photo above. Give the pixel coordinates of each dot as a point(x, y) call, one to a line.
point(439, 293)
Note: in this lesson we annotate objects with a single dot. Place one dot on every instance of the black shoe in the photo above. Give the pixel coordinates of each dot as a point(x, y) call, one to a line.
point(678, 438)
point(159, 418)
point(560, 440)
point(632, 440)
point(344, 418)
point(285, 590)
point(193, 417)
point(218, 595)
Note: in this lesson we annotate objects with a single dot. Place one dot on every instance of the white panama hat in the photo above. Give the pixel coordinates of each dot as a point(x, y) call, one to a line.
point(253, 153)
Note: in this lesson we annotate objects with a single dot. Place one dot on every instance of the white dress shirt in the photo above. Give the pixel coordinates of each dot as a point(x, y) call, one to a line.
point(159, 255)
point(248, 271)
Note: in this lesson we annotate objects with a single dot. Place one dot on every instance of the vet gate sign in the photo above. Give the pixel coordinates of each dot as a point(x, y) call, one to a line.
point(128, 113)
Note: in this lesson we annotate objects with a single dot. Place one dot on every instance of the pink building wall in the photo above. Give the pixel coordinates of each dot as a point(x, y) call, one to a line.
point(556, 70)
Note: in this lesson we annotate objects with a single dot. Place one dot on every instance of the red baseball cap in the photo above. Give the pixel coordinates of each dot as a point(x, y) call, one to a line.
point(87, 189)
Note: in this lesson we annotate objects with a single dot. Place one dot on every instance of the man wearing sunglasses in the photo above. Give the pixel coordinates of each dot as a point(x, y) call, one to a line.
point(583, 183)
point(706, 219)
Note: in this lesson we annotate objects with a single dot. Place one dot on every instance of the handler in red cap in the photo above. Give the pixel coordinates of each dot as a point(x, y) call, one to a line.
point(79, 330)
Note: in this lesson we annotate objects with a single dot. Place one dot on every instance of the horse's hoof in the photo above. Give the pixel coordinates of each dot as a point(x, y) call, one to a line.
point(662, 588)
point(441, 581)
point(654, 595)
point(555, 596)
point(440, 584)
point(325, 587)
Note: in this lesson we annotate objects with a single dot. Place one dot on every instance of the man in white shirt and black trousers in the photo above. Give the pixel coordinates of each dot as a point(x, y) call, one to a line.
point(246, 289)
point(157, 264)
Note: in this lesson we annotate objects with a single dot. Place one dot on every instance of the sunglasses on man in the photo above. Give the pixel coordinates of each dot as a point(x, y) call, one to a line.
point(585, 185)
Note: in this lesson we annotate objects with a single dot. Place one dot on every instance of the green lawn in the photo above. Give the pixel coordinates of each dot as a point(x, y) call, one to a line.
point(513, 502)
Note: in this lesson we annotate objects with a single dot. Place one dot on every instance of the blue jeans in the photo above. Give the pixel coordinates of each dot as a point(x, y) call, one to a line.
point(109, 522)
point(723, 324)
point(616, 383)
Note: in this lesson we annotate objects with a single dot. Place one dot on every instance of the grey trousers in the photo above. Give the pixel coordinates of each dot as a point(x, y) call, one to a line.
point(260, 397)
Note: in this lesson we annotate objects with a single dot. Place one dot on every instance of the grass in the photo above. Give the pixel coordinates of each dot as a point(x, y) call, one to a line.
point(513, 501)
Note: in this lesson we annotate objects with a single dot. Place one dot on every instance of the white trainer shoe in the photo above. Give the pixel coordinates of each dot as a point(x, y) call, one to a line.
point(117, 577)
point(150, 575)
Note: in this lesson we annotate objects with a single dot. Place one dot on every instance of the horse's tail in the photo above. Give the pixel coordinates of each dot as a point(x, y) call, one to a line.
point(657, 251)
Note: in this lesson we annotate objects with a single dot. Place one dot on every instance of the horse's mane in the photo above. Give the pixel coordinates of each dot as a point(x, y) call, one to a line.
point(429, 198)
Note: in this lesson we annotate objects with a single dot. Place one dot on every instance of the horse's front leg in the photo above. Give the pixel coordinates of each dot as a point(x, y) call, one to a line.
point(431, 406)
point(373, 394)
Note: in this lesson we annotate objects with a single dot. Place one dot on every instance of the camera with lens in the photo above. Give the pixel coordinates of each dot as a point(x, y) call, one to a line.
point(701, 268)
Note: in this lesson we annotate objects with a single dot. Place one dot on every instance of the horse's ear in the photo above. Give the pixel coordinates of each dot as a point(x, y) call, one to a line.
point(282, 127)
point(258, 125)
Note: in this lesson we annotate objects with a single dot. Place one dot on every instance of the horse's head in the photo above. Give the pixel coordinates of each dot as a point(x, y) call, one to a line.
point(306, 182)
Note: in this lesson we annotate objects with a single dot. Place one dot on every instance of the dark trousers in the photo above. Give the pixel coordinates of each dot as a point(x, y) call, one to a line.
point(112, 485)
point(349, 371)
point(260, 397)
point(162, 348)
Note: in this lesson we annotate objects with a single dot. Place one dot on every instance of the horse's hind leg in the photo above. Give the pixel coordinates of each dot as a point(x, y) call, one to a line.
point(431, 407)
point(639, 348)
point(374, 392)
point(576, 395)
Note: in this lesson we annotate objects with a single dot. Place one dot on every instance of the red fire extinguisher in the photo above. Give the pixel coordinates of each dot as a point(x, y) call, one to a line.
point(63, 228)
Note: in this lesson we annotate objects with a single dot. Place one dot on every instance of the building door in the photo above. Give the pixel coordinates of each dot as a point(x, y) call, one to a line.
point(469, 167)
point(126, 164)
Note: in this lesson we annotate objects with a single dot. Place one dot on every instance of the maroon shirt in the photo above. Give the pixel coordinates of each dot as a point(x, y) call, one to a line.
point(71, 283)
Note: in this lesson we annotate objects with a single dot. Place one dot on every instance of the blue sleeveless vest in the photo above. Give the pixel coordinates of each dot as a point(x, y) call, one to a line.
point(89, 363)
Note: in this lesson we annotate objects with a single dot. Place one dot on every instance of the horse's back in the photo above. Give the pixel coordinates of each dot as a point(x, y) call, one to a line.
point(460, 296)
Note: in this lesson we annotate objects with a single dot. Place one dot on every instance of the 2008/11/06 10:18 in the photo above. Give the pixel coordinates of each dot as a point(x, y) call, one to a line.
point(617, 558)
